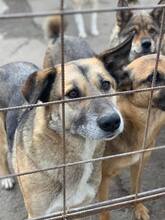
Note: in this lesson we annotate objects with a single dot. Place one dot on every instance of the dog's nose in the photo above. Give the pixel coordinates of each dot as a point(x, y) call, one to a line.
point(146, 44)
point(109, 123)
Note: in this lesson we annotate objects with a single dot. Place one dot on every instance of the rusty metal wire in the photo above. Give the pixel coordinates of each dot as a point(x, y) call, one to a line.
point(99, 207)
point(71, 12)
point(83, 162)
point(110, 204)
point(63, 107)
point(129, 92)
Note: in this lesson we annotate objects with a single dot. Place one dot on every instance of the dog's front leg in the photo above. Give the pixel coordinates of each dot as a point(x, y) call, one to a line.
point(103, 195)
point(94, 29)
point(7, 183)
point(109, 170)
point(140, 211)
point(80, 25)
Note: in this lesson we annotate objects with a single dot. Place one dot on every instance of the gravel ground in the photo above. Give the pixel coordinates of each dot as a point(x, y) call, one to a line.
point(24, 40)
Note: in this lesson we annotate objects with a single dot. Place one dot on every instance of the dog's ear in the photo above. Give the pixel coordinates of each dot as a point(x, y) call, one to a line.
point(38, 85)
point(156, 13)
point(115, 59)
point(123, 16)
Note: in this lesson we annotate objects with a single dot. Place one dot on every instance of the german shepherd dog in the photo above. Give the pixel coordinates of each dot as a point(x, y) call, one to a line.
point(92, 4)
point(8, 89)
point(137, 75)
point(38, 131)
point(146, 26)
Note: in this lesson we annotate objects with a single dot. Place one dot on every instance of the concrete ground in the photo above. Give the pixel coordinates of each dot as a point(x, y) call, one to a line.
point(23, 40)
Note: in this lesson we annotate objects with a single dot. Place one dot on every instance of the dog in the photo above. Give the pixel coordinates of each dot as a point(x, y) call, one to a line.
point(36, 139)
point(75, 48)
point(146, 26)
point(7, 91)
point(137, 75)
point(93, 4)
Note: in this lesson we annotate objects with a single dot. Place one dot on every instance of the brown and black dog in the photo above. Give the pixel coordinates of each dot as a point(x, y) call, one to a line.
point(136, 75)
point(146, 26)
point(88, 123)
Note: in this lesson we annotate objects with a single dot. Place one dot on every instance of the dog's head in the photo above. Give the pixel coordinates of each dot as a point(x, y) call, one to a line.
point(138, 75)
point(95, 118)
point(145, 25)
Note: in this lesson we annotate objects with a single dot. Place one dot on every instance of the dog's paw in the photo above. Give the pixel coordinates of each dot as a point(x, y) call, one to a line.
point(141, 212)
point(95, 32)
point(7, 183)
point(83, 35)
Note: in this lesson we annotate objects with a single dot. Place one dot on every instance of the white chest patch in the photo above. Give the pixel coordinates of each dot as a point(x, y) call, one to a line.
point(135, 158)
point(84, 191)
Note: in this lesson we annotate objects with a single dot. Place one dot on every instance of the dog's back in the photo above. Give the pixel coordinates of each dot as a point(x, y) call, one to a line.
point(74, 47)
point(12, 76)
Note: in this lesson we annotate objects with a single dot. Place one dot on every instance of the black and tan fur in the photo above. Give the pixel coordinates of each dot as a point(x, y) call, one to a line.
point(38, 137)
point(9, 96)
point(136, 75)
point(38, 140)
point(146, 26)
point(92, 4)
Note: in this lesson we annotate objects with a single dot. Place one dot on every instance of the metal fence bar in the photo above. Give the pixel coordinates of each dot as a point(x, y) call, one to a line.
point(84, 161)
point(129, 92)
point(113, 204)
point(63, 107)
point(72, 12)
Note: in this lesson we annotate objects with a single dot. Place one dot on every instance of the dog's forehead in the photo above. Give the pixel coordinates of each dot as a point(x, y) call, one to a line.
point(141, 19)
point(145, 65)
point(93, 69)
point(71, 72)
point(85, 72)
point(73, 77)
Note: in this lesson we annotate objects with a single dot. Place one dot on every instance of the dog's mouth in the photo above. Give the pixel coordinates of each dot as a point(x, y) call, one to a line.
point(115, 134)
point(159, 103)
point(143, 53)
point(159, 106)
point(111, 136)
point(134, 54)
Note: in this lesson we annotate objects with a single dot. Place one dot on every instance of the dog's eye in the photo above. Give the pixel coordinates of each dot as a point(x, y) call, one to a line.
point(74, 93)
point(152, 31)
point(135, 30)
point(150, 77)
point(105, 85)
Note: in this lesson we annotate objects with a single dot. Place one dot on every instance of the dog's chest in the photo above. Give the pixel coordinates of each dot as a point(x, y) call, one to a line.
point(83, 191)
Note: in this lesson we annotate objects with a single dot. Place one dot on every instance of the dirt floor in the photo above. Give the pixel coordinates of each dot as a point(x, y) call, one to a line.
point(23, 40)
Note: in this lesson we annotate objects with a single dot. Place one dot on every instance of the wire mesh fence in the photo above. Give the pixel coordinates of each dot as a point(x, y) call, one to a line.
point(114, 203)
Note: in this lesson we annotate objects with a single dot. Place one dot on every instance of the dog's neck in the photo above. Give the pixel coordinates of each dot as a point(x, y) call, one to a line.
point(135, 119)
point(82, 181)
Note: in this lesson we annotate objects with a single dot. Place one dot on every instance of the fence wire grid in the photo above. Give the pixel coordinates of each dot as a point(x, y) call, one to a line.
point(112, 204)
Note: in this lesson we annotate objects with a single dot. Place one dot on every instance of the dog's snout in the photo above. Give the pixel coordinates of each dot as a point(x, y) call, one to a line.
point(146, 44)
point(109, 123)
